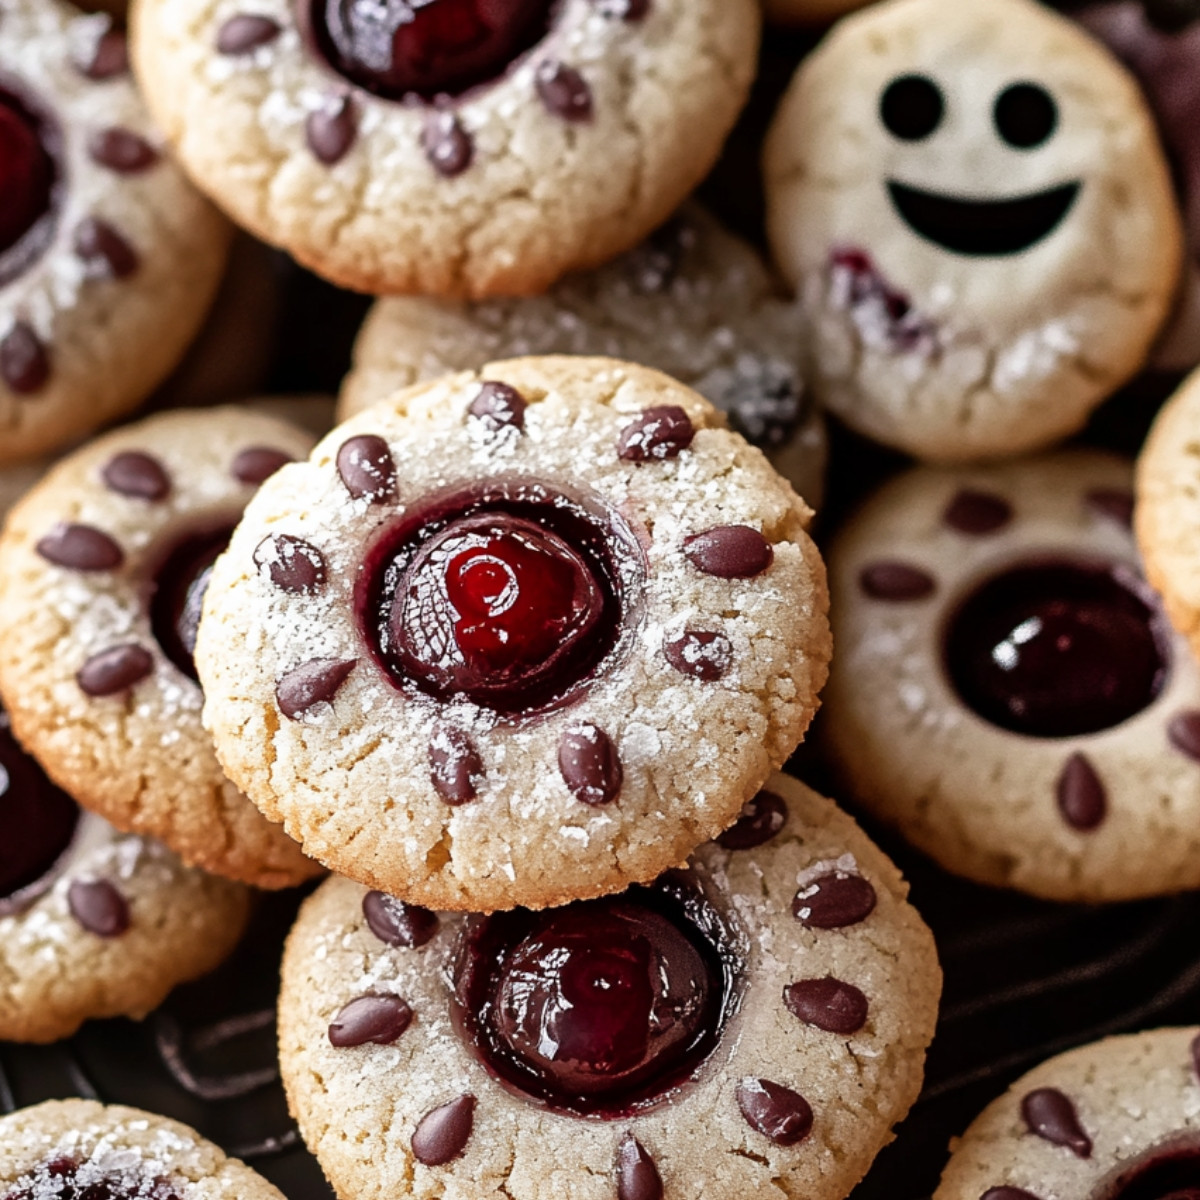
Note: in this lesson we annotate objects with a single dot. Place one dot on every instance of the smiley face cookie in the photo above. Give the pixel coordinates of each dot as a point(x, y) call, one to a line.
point(1040, 723)
point(104, 245)
point(752, 1025)
point(478, 648)
point(973, 206)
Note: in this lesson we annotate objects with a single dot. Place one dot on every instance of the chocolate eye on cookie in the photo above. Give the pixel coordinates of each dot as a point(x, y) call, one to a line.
point(1040, 724)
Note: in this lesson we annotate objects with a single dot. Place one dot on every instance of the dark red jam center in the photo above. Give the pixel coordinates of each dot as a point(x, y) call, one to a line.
point(1165, 1174)
point(1055, 648)
point(179, 587)
point(602, 1007)
point(28, 173)
point(66, 1179)
point(426, 48)
point(511, 595)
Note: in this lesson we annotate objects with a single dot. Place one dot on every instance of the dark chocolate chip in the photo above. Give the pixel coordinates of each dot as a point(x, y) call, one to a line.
point(24, 363)
point(454, 765)
point(331, 129)
point(447, 145)
point(1183, 732)
point(498, 406)
point(637, 1176)
point(245, 32)
point(778, 1113)
point(834, 901)
point(1196, 1056)
point(1008, 1193)
point(762, 818)
point(398, 924)
point(312, 683)
point(367, 468)
point(729, 552)
point(121, 150)
point(977, 513)
point(376, 1019)
point(1082, 799)
point(658, 433)
point(256, 464)
point(109, 58)
point(563, 91)
point(293, 564)
point(103, 251)
point(81, 548)
point(700, 654)
point(895, 581)
point(827, 1003)
point(98, 907)
point(133, 473)
point(1052, 1116)
point(443, 1134)
point(115, 670)
point(590, 764)
point(1114, 503)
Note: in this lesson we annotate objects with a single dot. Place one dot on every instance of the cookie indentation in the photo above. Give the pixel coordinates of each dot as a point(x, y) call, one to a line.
point(590, 765)
point(658, 433)
point(780, 1114)
point(315, 682)
point(396, 923)
point(292, 564)
point(379, 1020)
point(136, 474)
point(30, 173)
point(829, 1004)
point(367, 468)
point(833, 901)
point(80, 548)
point(1050, 1114)
point(98, 907)
point(180, 584)
point(454, 765)
point(761, 819)
point(443, 1134)
point(700, 654)
point(729, 552)
point(637, 1176)
point(114, 671)
point(1082, 797)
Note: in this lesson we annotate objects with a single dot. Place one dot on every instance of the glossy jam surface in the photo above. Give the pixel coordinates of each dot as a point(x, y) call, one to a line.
point(426, 48)
point(1055, 648)
point(27, 178)
point(1171, 1173)
point(66, 1179)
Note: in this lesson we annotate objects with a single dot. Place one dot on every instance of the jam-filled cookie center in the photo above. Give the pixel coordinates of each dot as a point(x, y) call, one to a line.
point(66, 1179)
point(1166, 1173)
point(28, 175)
point(1056, 648)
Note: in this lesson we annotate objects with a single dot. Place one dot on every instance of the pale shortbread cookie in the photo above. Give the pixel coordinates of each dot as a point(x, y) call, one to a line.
point(102, 293)
point(818, 1051)
point(1118, 1118)
point(1043, 735)
point(684, 673)
point(973, 206)
point(568, 157)
point(694, 301)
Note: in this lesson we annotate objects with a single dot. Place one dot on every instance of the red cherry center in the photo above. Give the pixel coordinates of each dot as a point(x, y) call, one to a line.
point(66, 1179)
point(27, 173)
point(1162, 1173)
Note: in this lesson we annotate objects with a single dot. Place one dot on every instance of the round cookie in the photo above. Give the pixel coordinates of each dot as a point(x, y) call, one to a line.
point(460, 148)
point(693, 301)
point(104, 245)
point(939, 179)
point(1007, 690)
point(794, 994)
point(66, 1148)
point(477, 649)
point(1113, 1120)
point(102, 569)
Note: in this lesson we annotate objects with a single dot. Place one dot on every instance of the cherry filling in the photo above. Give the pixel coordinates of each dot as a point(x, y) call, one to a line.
point(1163, 1174)
point(66, 1179)
point(602, 1007)
point(427, 48)
point(28, 173)
point(1056, 648)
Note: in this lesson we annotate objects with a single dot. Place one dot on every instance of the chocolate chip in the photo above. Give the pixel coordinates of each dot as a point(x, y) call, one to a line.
point(699, 654)
point(447, 145)
point(977, 513)
point(1008, 1193)
point(312, 683)
point(133, 473)
point(103, 251)
point(115, 670)
point(827, 1003)
point(81, 548)
point(1052, 1116)
point(590, 764)
point(398, 924)
point(624, 10)
point(729, 552)
point(563, 91)
point(834, 901)
point(443, 1134)
point(245, 32)
point(24, 363)
point(1183, 732)
point(331, 129)
point(658, 433)
point(895, 581)
point(1082, 799)
point(454, 765)
point(637, 1176)
point(376, 1019)
point(778, 1113)
point(121, 150)
point(498, 406)
point(1196, 1056)
point(762, 818)
point(98, 907)
point(367, 468)
point(256, 464)
point(1115, 504)
point(109, 58)
point(293, 564)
